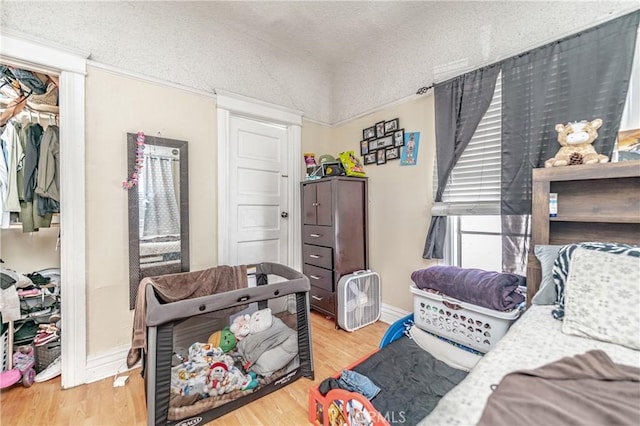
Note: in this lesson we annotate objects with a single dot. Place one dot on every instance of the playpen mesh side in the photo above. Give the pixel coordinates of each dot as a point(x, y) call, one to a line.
point(163, 354)
point(304, 333)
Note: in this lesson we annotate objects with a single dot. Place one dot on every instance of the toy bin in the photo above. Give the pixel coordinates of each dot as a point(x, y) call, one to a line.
point(465, 323)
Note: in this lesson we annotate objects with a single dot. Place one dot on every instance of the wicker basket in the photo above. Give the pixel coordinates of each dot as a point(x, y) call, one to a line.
point(46, 354)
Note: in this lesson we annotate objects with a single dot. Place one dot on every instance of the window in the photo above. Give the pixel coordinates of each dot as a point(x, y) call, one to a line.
point(472, 197)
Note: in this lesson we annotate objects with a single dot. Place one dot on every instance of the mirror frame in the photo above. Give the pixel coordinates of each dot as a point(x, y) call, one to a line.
point(134, 213)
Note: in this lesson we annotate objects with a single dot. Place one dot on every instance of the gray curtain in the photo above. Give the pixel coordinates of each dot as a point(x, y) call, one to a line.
point(158, 202)
point(581, 77)
point(460, 104)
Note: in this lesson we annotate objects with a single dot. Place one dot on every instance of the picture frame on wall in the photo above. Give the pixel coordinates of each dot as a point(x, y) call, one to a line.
point(380, 129)
point(392, 153)
point(381, 156)
point(391, 125)
point(364, 148)
point(385, 142)
point(373, 145)
point(369, 132)
point(398, 138)
point(370, 158)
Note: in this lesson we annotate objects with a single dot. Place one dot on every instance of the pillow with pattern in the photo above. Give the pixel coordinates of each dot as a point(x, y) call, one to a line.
point(563, 261)
point(602, 295)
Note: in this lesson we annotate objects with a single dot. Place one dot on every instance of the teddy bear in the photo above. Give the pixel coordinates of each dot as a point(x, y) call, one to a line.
point(240, 326)
point(576, 139)
point(224, 378)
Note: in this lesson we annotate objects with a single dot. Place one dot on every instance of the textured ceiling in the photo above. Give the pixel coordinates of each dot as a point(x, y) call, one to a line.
point(332, 60)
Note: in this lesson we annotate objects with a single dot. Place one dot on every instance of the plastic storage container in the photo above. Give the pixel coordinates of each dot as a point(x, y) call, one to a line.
point(465, 323)
point(358, 299)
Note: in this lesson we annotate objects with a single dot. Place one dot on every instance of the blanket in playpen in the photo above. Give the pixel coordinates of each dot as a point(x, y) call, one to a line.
point(175, 287)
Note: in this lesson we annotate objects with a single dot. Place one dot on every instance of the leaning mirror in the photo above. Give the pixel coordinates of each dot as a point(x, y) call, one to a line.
point(158, 211)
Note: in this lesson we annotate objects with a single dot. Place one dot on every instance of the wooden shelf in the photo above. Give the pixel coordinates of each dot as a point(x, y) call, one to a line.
point(599, 202)
point(592, 219)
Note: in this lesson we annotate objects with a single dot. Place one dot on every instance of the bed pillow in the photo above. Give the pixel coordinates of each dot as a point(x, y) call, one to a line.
point(546, 294)
point(602, 295)
point(563, 261)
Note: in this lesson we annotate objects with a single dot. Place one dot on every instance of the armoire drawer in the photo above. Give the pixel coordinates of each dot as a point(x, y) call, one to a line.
point(318, 235)
point(319, 277)
point(322, 300)
point(318, 256)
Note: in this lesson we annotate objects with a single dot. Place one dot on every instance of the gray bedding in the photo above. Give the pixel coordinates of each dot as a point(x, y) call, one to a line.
point(411, 381)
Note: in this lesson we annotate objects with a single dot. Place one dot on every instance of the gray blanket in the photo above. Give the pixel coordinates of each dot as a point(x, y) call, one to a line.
point(586, 389)
point(269, 350)
point(411, 380)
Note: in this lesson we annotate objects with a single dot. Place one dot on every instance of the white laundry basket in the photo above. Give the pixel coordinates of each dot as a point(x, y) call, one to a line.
point(465, 323)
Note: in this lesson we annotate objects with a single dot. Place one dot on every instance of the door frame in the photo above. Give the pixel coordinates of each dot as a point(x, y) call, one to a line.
point(230, 104)
point(72, 68)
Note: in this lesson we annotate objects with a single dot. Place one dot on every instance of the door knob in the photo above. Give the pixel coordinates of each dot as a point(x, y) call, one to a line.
point(284, 215)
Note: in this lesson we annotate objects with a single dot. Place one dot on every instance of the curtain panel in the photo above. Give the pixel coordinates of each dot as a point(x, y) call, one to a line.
point(460, 104)
point(581, 77)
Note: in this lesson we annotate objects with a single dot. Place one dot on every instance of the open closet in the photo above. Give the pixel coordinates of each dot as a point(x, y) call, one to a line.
point(30, 222)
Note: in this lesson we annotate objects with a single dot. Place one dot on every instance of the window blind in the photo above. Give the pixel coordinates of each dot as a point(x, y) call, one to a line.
point(474, 184)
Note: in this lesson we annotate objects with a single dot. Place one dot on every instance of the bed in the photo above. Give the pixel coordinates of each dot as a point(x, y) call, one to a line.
point(598, 203)
point(183, 387)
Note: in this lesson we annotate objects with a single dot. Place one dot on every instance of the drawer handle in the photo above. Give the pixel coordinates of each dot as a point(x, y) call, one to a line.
point(315, 235)
point(314, 277)
point(315, 256)
point(319, 299)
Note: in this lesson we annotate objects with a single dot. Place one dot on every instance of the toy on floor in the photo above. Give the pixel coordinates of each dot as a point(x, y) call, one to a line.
point(22, 368)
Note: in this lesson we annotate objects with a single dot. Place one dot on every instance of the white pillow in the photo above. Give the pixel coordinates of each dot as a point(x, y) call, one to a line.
point(602, 297)
point(546, 294)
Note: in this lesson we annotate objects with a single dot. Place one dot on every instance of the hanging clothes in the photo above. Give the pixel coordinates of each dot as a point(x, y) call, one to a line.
point(48, 180)
point(31, 138)
point(32, 156)
point(15, 159)
point(4, 184)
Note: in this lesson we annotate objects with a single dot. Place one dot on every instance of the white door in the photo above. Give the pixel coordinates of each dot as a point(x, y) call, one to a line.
point(258, 192)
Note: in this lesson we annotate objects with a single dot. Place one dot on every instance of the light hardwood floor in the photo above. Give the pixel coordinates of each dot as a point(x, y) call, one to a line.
point(100, 403)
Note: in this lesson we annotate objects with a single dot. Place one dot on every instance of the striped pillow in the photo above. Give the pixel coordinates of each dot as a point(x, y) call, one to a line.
point(563, 262)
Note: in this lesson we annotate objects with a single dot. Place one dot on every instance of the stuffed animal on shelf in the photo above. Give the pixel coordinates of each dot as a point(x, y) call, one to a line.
point(240, 326)
point(223, 339)
point(576, 139)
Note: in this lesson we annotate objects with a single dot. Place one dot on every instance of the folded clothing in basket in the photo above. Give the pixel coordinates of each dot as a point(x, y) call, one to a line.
point(493, 290)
